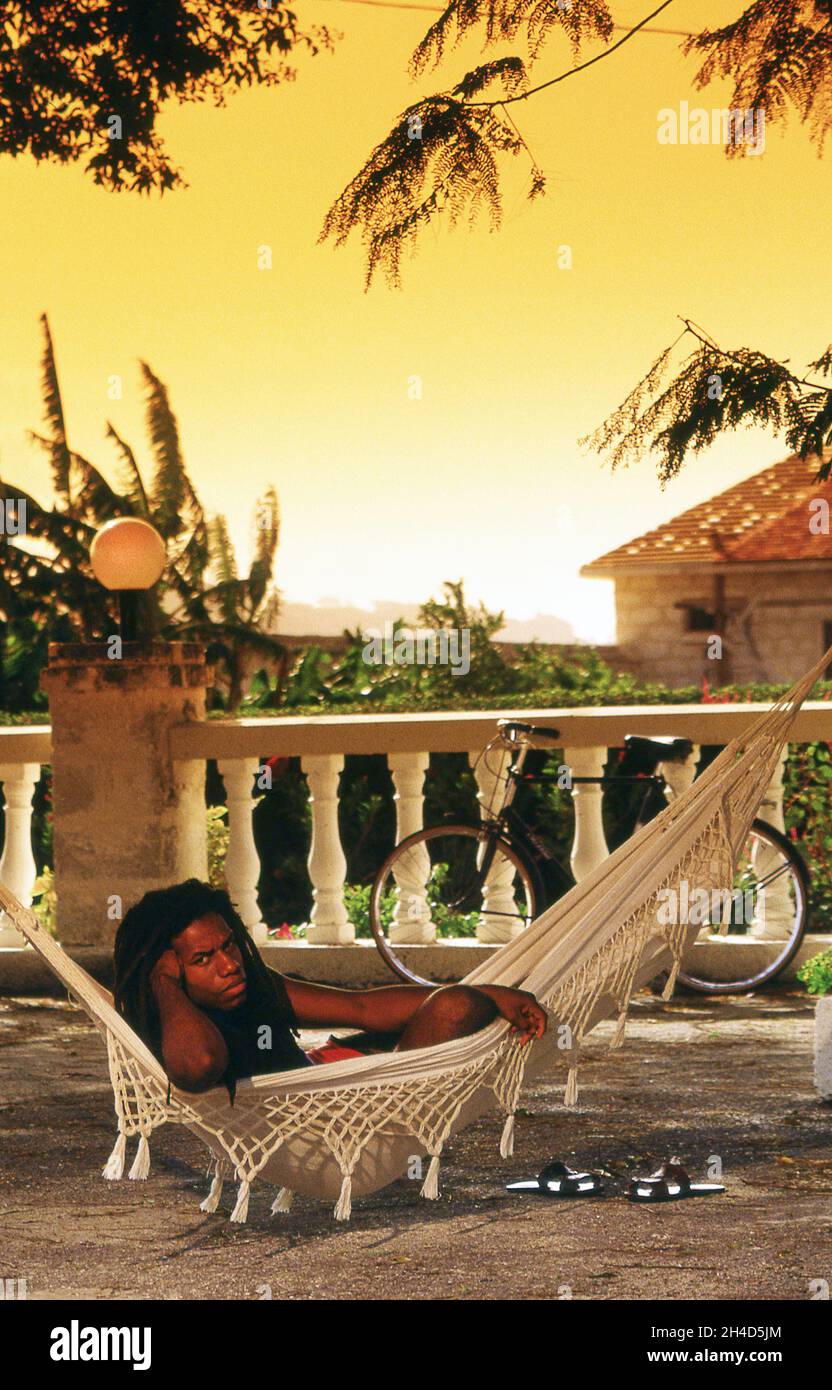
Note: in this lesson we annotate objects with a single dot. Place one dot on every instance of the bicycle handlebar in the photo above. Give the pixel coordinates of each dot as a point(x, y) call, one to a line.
point(533, 730)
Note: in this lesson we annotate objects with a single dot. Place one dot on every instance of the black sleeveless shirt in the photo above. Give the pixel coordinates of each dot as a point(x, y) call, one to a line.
point(259, 1036)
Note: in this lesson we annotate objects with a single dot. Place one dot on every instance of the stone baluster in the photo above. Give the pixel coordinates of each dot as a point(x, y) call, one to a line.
point(17, 866)
point(328, 921)
point(773, 907)
point(679, 776)
point(242, 862)
point(411, 921)
point(589, 846)
point(500, 920)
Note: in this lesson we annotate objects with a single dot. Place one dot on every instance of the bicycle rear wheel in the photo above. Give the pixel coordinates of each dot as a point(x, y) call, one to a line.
point(745, 944)
point(455, 879)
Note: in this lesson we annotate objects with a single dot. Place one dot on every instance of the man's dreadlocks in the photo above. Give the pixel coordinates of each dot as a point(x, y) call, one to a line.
point(147, 931)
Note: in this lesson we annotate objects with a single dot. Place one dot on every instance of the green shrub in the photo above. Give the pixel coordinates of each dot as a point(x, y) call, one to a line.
point(448, 924)
point(45, 901)
point(216, 819)
point(816, 974)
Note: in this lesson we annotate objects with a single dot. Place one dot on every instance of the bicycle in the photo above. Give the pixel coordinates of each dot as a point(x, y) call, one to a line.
point(500, 869)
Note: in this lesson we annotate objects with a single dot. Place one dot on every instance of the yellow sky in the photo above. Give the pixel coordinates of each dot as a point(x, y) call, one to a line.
point(295, 376)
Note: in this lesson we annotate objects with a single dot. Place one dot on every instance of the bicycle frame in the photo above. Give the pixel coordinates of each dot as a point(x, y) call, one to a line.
point(507, 823)
point(507, 816)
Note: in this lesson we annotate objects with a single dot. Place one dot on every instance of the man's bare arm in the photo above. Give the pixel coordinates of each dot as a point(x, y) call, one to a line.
point(387, 1009)
point(390, 1008)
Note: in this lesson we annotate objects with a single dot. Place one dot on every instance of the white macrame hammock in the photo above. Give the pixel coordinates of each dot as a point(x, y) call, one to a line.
point(351, 1127)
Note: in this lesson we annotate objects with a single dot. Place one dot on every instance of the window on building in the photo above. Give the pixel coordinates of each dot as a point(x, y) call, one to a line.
point(827, 643)
point(697, 619)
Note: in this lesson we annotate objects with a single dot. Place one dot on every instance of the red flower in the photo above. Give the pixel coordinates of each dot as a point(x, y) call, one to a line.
point(283, 930)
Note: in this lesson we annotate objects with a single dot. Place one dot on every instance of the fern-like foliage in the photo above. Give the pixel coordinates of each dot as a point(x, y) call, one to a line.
point(673, 413)
point(132, 481)
point(69, 67)
point(53, 409)
point(267, 534)
point(510, 71)
point(440, 157)
point(503, 20)
point(52, 591)
point(778, 54)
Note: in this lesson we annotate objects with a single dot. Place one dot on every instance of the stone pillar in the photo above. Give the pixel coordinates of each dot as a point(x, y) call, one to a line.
point(411, 916)
point(127, 817)
point(680, 776)
point(589, 847)
point(500, 919)
point(242, 862)
point(17, 867)
point(773, 907)
point(328, 921)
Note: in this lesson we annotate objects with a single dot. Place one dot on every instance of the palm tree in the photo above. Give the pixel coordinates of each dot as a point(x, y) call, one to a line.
point(46, 580)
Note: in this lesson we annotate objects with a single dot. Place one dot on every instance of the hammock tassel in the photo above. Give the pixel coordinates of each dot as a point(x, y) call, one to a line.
point(240, 1212)
point(283, 1201)
point(667, 992)
point(141, 1163)
point(430, 1187)
point(343, 1207)
point(570, 1095)
point(621, 1030)
point(114, 1167)
point(507, 1138)
point(212, 1201)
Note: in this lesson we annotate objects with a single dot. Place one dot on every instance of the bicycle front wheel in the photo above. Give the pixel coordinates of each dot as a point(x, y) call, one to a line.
point(747, 941)
point(450, 881)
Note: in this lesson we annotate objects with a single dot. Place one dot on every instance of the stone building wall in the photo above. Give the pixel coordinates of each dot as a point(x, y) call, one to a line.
point(779, 625)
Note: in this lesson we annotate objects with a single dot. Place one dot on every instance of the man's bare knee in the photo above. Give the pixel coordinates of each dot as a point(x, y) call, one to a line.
point(462, 1009)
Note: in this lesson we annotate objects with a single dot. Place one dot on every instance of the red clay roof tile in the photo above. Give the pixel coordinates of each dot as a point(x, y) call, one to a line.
point(764, 518)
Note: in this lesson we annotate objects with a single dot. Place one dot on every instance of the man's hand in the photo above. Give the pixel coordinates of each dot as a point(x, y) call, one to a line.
point(167, 967)
point(521, 1009)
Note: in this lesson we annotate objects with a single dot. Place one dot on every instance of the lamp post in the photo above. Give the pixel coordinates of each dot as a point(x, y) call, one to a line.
point(128, 556)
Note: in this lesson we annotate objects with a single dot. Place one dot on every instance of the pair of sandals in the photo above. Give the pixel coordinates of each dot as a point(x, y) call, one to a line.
point(670, 1183)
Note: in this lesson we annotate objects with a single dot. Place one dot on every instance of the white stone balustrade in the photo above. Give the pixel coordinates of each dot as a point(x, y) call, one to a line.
point(773, 908)
point(328, 922)
point(679, 776)
point(411, 920)
point(589, 845)
point(322, 744)
point(17, 866)
point(500, 919)
point(242, 862)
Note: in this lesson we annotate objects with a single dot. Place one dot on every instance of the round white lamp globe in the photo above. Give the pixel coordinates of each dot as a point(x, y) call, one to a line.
point(128, 553)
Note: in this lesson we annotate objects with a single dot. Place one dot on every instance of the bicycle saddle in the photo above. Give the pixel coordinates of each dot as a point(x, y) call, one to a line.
point(666, 750)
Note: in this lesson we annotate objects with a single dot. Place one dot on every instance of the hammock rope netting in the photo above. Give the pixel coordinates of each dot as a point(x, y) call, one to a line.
point(348, 1128)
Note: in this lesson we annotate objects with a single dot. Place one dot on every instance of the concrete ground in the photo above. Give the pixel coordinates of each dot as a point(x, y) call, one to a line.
point(730, 1078)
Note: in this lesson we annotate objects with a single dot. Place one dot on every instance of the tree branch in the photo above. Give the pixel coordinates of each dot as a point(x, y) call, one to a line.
point(581, 67)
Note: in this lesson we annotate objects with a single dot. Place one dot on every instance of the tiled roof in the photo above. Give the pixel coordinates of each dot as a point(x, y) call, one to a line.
point(762, 519)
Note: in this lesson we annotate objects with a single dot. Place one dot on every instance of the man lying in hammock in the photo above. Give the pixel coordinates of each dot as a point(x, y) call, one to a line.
point(190, 981)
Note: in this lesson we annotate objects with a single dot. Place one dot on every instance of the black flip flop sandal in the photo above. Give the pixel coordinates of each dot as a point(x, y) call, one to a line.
point(557, 1180)
point(670, 1184)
